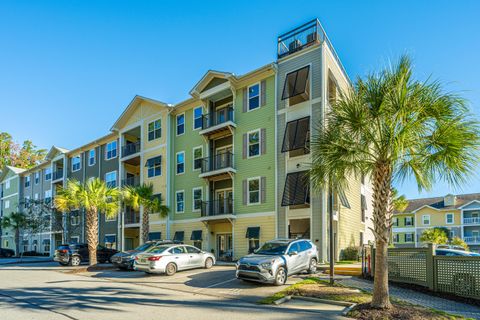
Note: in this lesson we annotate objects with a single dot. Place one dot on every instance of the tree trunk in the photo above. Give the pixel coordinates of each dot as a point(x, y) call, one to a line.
point(17, 241)
point(382, 217)
point(92, 235)
point(145, 225)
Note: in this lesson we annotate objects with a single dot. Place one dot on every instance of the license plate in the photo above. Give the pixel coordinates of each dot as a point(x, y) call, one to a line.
point(143, 260)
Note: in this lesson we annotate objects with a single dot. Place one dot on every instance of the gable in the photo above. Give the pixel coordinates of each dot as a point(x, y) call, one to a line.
point(472, 205)
point(213, 83)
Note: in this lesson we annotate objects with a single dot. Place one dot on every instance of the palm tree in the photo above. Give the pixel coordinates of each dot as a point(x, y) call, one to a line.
point(400, 203)
point(16, 221)
point(95, 197)
point(392, 127)
point(142, 196)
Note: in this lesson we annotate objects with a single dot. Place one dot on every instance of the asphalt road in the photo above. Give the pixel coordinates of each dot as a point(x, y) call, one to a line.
point(46, 291)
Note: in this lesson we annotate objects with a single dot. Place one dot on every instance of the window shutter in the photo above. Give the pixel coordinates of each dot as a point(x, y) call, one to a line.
point(245, 192)
point(245, 107)
point(263, 93)
point(245, 145)
point(263, 142)
point(263, 186)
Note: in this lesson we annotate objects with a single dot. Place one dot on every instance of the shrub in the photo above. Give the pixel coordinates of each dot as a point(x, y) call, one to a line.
point(350, 253)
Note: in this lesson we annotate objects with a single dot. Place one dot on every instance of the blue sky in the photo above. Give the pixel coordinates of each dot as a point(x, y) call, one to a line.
point(71, 67)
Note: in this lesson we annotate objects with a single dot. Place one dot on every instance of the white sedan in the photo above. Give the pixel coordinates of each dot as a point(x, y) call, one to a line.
point(169, 259)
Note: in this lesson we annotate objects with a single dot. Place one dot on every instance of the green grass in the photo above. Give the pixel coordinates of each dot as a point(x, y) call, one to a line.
point(347, 262)
point(286, 291)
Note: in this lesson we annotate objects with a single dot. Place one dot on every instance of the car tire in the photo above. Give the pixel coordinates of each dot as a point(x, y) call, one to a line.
point(75, 261)
point(170, 269)
point(312, 267)
point(280, 276)
point(208, 263)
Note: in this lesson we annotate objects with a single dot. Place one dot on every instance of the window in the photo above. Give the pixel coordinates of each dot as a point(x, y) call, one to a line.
point(178, 236)
point(426, 219)
point(395, 222)
point(48, 174)
point(111, 179)
point(37, 177)
point(154, 130)
point(409, 237)
point(180, 201)
point(76, 163)
point(197, 198)
point(449, 218)
point(297, 189)
point(452, 234)
point(154, 167)
point(294, 247)
point(254, 191)
point(408, 221)
point(180, 124)
point(25, 245)
point(253, 143)
point(110, 241)
point(35, 196)
point(27, 201)
point(180, 162)
point(363, 202)
point(196, 237)
point(111, 150)
point(297, 136)
point(91, 157)
point(7, 184)
point(253, 97)
point(197, 157)
point(152, 236)
point(7, 204)
point(27, 181)
point(197, 118)
point(396, 237)
point(178, 250)
point(75, 218)
point(74, 240)
point(296, 86)
point(48, 196)
point(46, 245)
point(253, 236)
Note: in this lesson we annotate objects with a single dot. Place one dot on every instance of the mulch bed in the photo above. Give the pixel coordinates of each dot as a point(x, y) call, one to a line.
point(88, 269)
point(400, 312)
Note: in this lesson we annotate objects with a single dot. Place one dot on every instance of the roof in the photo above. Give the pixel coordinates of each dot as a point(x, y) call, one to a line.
point(438, 204)
point(15, 170)
point(54, 150)
point(92, 143)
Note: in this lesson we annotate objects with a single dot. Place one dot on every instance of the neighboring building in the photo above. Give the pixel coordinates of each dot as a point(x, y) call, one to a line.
point(460, 214)
point(231, 162)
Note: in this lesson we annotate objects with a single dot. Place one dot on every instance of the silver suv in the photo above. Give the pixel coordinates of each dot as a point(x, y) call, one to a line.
point(277, 259)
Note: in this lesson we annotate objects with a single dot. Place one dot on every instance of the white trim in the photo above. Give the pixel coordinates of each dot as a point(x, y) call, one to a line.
point(148, 132)
point(77, 220)
point(176, 124)
point(259, 191)
point(35, 174)
point(193, 157)
point(94, 157)
point(259, 96)
point(79, 162)
point(176, 204)
point(110, 234)
point(259, 143)
point(446, 218)
point(193, 198)
point(75, 237)
point(10, 195)
point(193, 117)
point(161, 167)
point(469, 203)
point(426, 206)
point(6, 204)
point(116, 177)
point(7, 184)
point(106, 150)
point(176, 163)
point(423, 220)
point(238, 216)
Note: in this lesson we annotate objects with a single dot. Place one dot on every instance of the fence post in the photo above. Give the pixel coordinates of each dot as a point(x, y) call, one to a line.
point(430, 267)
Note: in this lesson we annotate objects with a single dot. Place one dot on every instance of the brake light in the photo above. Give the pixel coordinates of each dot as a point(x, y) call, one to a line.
point(156, 258)
point(136, 257)
point(63, 251)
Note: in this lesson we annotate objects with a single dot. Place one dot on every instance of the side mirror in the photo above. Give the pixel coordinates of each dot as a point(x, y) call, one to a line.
point(293, 253)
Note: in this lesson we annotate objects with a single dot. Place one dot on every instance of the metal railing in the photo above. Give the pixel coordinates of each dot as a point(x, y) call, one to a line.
point(132, 217)
point(130, 148)
point(131, 181)
point(472, 220)
point(217, 117)
point(472, 239)
point(217, 162)
point(217, 207)
point(57, 175)
point(304, 36)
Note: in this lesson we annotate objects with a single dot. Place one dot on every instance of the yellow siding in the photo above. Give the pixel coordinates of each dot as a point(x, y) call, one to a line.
point(159, 228)
point(188, 227)
point(159, 182)
point(267, 232)
point(350, 220)
point(437, 218)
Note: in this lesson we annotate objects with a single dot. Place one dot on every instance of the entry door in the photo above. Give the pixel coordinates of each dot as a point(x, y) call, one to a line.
point(224, 201)
point(224, 246)
point(128, 244)
point(222, 157)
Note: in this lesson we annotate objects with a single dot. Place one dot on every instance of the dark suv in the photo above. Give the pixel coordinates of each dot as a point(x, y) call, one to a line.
point(7, 253)
point(74, 254)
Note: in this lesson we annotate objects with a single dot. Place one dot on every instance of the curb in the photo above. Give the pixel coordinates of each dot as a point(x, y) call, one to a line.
point(282, 300)
point(311, 299)
point(24, 262)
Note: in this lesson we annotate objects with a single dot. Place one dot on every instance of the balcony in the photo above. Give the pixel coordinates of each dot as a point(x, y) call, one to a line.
point(131, 181)
point(471, 220)
point(218, 122)
point(132, 217)
point(130, 148)
point(217, 209)
point(472, 239)
point(218, 166)
point(57, 175)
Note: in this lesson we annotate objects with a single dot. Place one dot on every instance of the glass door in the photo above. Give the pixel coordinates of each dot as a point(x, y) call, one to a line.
point(224, 246)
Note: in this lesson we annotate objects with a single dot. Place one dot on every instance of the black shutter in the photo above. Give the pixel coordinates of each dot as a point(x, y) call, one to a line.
point(296, 83)
point(253, 233)
point(179, 235)
point(297, 189)
point(196, 235)
point(296, 134)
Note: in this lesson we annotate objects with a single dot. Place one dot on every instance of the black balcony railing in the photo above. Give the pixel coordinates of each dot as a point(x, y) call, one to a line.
point(217, 207)
point(132, 217)
point(57, 175)
point(131, 181)
point(130, 148)
point(217, 162)
point(217, 117)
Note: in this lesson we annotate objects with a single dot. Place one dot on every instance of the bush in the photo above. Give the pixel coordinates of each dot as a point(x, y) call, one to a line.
point(350, 253)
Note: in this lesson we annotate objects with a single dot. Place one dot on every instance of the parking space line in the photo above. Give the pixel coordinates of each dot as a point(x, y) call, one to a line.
point(215, 284)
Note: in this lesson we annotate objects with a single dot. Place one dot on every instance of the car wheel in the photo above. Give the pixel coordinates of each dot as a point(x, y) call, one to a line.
point(280, 276)
point(208, 263)
point(170, 269)
point(75, 261)
point(312, 268)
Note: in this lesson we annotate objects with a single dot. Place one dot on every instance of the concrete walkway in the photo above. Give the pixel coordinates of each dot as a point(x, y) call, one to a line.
point(419, 298)
point(15, 260)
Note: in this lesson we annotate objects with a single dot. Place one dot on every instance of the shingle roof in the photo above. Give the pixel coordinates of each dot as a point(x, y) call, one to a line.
point(437, 202)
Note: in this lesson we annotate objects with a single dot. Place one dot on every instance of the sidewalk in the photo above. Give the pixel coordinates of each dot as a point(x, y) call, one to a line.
point(25, 260)
point(419, 298)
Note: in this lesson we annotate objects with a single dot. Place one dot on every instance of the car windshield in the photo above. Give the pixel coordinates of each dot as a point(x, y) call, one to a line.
point(273, 248)
point(159, 249)
point(144, 246)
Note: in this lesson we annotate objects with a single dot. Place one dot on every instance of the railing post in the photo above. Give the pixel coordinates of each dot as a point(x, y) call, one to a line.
point(430, 266)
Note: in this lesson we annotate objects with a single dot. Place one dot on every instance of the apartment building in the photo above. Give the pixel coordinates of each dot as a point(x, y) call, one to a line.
point(231, 162)
point(460, 214)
